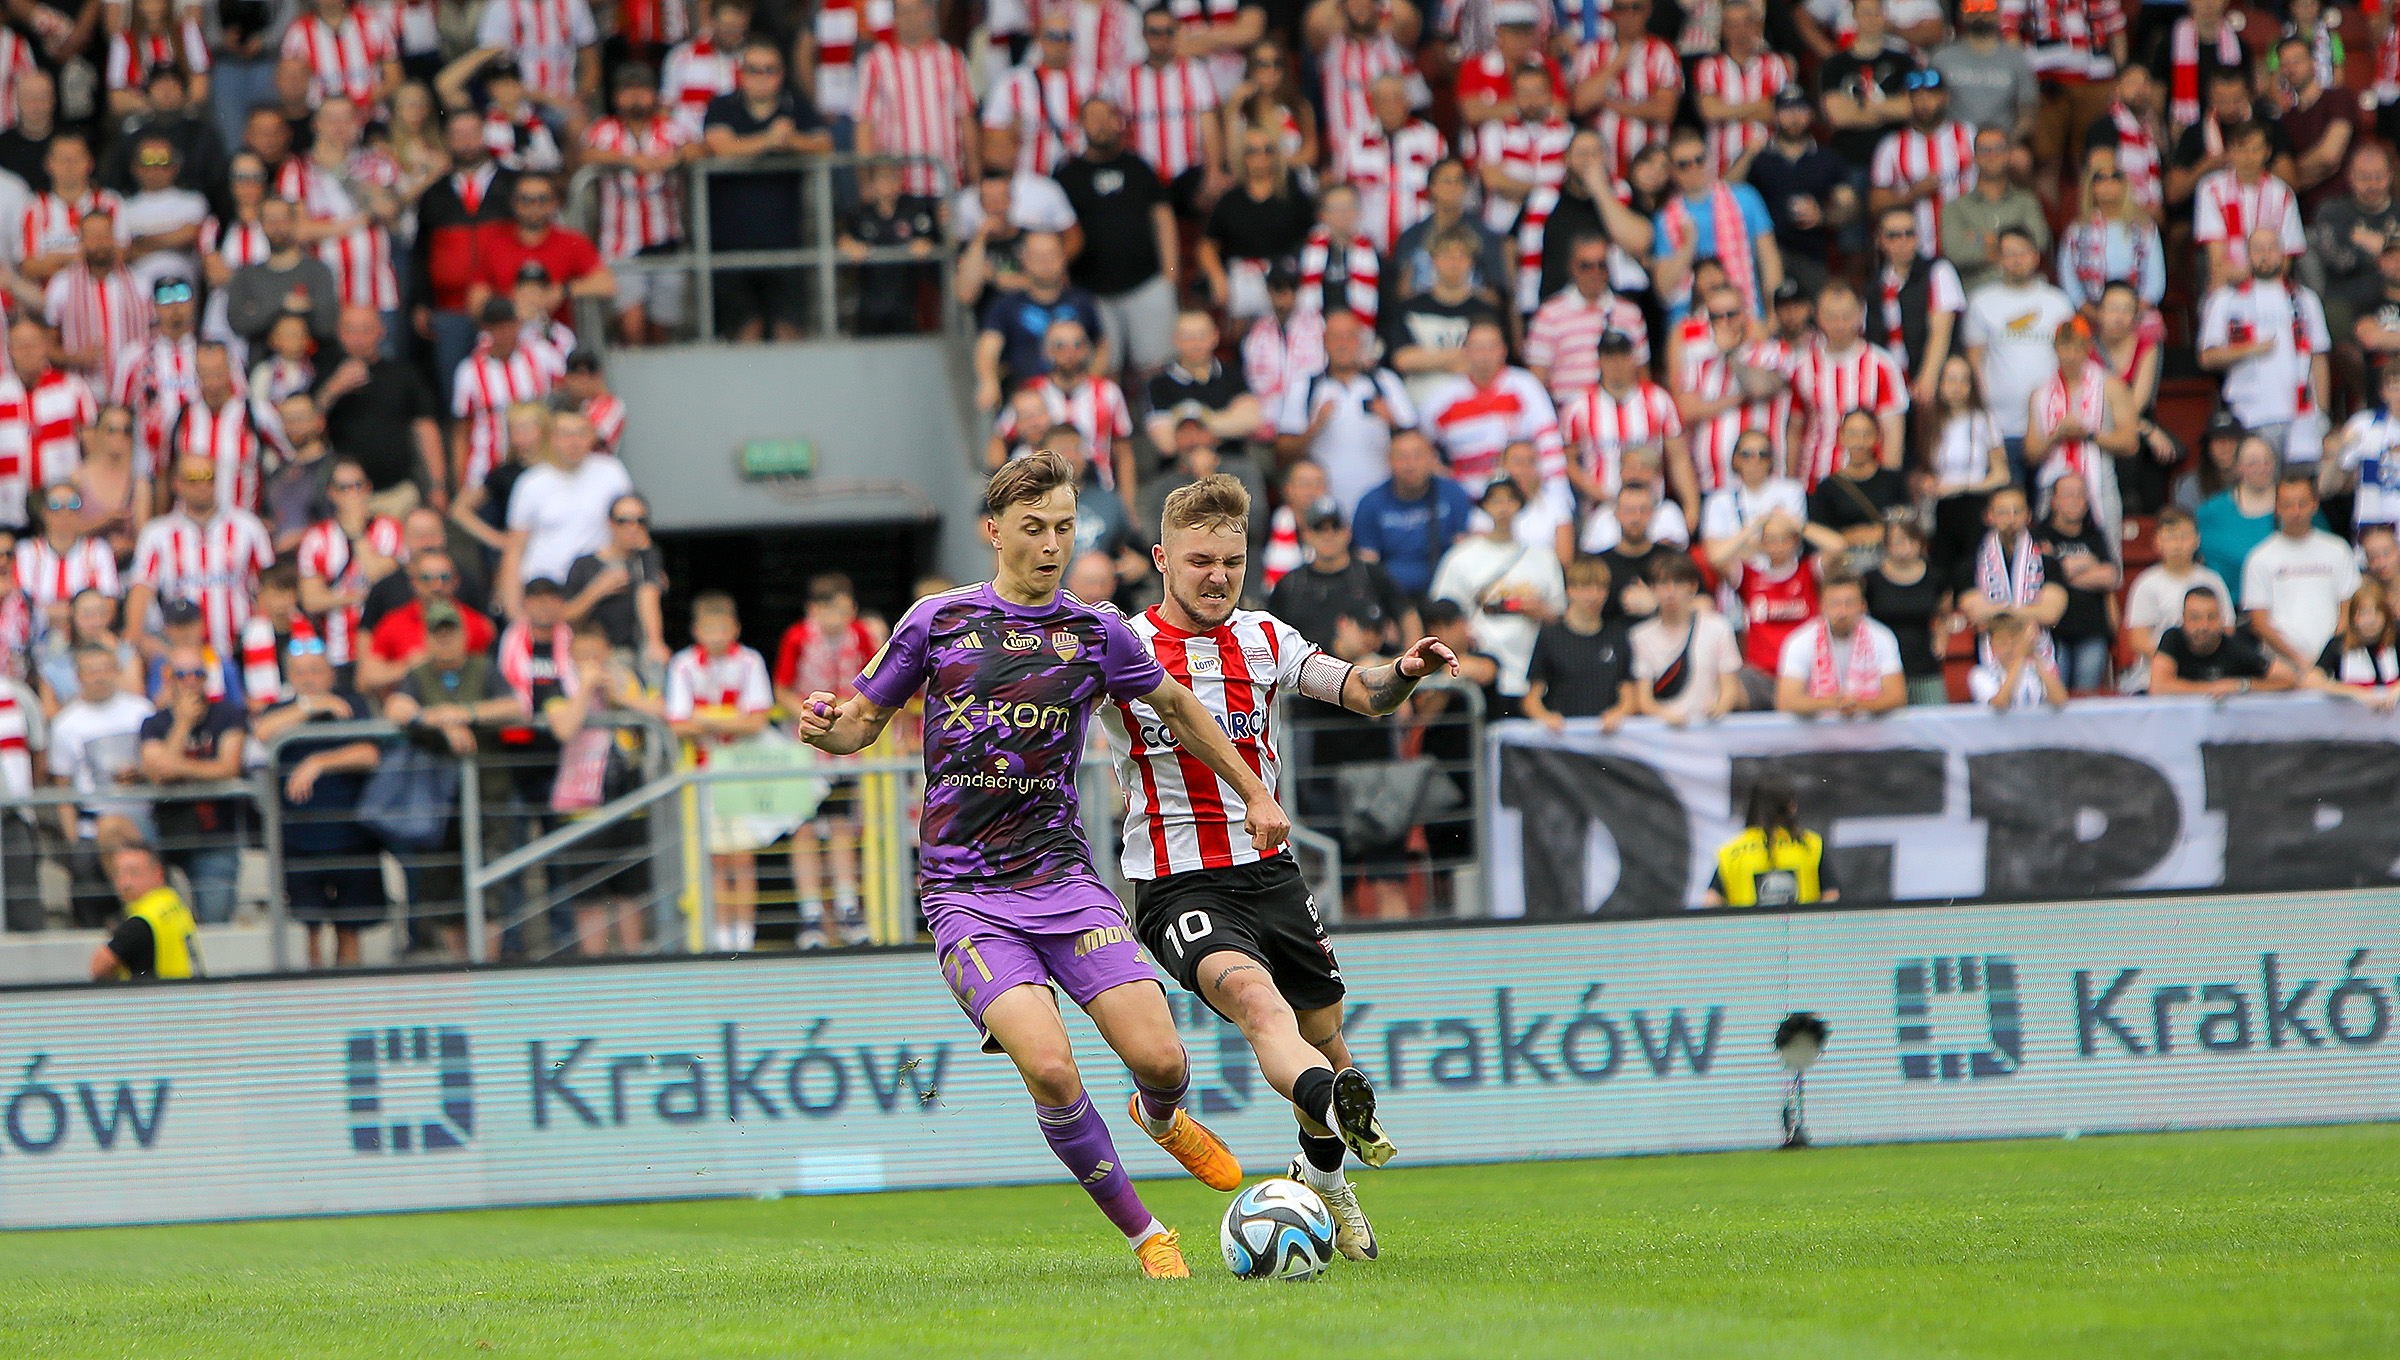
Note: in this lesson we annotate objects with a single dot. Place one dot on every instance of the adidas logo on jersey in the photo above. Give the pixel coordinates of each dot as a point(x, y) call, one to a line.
point(972, 642)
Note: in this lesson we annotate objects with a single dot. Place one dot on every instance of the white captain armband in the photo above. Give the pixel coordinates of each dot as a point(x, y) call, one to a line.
point(1322, 677)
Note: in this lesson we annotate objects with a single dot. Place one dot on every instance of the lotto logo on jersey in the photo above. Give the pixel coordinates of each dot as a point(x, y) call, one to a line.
point(1014, 641)
point(964, 713)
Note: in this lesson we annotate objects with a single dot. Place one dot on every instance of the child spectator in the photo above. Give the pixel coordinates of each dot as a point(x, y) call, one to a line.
point(1685, 663)
point(718, 693)
point(2156, 601)
point(1582, 664)
point(888, 294)
point(2016, 675)
point(825, 651)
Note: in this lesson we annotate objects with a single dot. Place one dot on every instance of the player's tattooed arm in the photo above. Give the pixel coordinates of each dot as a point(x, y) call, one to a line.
point(843, 728)
point(1377, 690)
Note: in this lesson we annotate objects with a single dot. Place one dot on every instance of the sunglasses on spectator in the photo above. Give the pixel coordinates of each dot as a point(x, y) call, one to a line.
point(753, 70)
point(642, 520)
point(1690, 162)
point(352, 484)
point(305, 647)
point(62, 504)
point(1724, 316)
point(433, 577)
point(2098, 175)
point(157, 158)
point(537, 199)
point(1166, 31)
point(188, 673)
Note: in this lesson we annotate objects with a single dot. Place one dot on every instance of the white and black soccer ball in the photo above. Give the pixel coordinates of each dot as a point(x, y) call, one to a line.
point(1277, 1230)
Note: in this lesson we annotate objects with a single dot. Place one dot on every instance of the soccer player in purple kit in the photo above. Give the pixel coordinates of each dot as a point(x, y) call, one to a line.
point(1012, 671)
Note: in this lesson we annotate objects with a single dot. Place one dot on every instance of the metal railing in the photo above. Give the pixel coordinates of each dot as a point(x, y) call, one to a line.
point(1390, 808)
point(819, 253)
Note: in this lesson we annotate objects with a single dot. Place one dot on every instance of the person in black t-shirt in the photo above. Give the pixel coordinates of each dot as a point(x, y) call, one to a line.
point(1582, 663)
point(888, 293)
point(619, 587)
point(1861, 91)
point(1196, 380)
point(192, 740)
point(1629, 597)
point(2201, 149)
point(1911, 596)
point(1861, 492)
point(1335, 586)
point(1425, 334)
point(1129, 244)
point(2201, 657)
point(2077, 555)
point(762, 117)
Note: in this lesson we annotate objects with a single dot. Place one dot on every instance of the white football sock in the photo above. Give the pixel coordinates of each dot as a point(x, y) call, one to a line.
point(1138, 1238)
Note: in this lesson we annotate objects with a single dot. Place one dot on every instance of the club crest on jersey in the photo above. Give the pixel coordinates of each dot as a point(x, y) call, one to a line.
point(1066, 644)
point(1014, 641)
point(1204, 665)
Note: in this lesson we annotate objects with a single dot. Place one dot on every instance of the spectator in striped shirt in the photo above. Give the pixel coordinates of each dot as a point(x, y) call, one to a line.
point(47, 240)
point(97, 307)
point(641, 202)
point(914, 99)
point(1171, 101)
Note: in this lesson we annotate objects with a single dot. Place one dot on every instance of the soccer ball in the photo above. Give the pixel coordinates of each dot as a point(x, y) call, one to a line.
point(1277, 1230)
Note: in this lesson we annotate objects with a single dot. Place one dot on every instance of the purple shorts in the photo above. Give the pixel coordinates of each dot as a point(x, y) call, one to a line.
point(1071, 934)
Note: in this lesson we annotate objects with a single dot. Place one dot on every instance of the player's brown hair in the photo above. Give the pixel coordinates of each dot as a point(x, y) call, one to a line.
point(1216, 501)
point(1025, 481)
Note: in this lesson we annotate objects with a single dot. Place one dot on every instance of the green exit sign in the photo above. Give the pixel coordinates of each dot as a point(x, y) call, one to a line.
point(779, 458)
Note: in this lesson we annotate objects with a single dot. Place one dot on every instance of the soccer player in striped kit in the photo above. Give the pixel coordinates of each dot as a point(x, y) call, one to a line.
point(1012, 671)
point(1235, 924)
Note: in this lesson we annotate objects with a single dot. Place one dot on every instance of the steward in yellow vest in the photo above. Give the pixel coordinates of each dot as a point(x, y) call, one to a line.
point(1773, 863)
point(155, 938)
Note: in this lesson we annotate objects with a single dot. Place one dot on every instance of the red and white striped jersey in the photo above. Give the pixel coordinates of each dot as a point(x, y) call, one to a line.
point(735, 682)
point(1711, 378)
point(1108, 36)
point(361, 260)
point(486, 386)
point(100, 313)
point(213, 564)
point(1095, 406)
point(1945, 155)
point(1653, 68)
point(1393, 171)
point(16, 63)
point(1474, 424)
point(1225, 67)
point(1179, 815)
point(154, 378)
point(1040, 104)
point(231, 439)
point(520, 140)
point(241, 243)
point(1164, 107)
point(544, 36)
point(132, 59)
point(346, 58)
point(545, 339)
point(16, 446)
point(52, 413)
point(1599, 426)
point(49, 576)
point(652, 23)
point(1533, 152)
point(51, 224)
point(2225, 209)
point(1277, 354)
point(1722, 75)
point(1565, 338)
point(1829, 387)
point(638, 210)
point(607, 415)
point(695, 73)
point(913, 98)
point(845, 31)
point(1358, 268)
point(326, 555)
point(1348, 67)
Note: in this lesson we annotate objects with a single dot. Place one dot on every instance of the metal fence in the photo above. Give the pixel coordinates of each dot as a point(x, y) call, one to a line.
point(826, 186)
point(1389, 809)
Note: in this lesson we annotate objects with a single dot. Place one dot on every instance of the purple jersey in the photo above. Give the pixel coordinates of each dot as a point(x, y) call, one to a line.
point(1008, 692)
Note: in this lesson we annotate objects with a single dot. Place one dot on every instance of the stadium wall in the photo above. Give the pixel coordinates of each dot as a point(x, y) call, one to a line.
point(1500, 1042)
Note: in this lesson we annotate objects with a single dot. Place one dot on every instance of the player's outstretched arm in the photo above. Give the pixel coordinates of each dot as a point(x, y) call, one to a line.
point(1198, 733)
point(844, 727)
point(1377, 690)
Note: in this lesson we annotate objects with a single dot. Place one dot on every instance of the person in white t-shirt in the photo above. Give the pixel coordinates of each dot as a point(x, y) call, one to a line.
point(2155, 603)
point(2294, 584)
point(94, 739)
point(1686, 664)
point(2008, 330)
point(2017, 675)
point(1843, 662)
point(2267, 336)
point(559, 509)
point(1754, 493)
point(1509, 589)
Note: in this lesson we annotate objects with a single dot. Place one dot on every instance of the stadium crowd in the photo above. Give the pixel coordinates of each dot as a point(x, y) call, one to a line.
point(1666, 359)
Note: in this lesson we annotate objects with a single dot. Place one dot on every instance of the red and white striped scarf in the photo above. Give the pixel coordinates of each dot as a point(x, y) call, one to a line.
point(1732, 241)
point(2137, 156)
point(1364, 269)
point(1861, 679)
point(16, 758)
point(2183, 80)
point(2085, 398)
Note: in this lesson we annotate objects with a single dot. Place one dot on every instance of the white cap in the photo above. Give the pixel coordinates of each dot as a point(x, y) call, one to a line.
point(1516, 12)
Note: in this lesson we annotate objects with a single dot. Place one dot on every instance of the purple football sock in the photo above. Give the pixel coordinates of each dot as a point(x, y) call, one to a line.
point(1160, 1103)
point(1079, 1137)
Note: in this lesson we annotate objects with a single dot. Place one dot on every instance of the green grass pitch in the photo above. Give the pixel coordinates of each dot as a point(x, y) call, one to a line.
point(2250, 1244)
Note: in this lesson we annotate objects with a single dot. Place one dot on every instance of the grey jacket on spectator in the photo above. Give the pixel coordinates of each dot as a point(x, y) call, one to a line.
point(255, 296)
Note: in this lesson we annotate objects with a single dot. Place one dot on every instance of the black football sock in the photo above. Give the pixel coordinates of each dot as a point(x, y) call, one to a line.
point(1312, 1091)
point(1324, 1152)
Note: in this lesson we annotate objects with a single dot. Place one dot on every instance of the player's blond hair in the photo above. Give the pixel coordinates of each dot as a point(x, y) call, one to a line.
point(1217, 501)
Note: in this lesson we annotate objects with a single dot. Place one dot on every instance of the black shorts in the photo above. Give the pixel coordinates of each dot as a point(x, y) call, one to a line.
point(1264, 910)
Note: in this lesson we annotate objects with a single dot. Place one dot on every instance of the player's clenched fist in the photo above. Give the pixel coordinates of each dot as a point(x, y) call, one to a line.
point(1267, 824)
point(817, 714)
